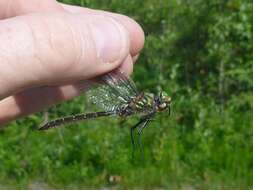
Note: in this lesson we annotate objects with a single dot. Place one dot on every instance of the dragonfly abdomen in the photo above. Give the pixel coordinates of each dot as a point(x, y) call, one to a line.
point(75, 118)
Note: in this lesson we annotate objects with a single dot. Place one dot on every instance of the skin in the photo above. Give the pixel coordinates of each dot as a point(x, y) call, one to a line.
point(50, 52)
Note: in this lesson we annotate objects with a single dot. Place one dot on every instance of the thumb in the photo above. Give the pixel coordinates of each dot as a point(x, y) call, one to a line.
point(53, 48)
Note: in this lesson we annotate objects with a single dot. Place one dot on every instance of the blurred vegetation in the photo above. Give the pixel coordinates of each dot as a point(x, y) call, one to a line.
point(201, 53)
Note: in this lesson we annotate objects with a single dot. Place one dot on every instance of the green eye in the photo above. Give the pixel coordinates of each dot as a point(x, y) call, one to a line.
point(167, 99)
point(164, 95)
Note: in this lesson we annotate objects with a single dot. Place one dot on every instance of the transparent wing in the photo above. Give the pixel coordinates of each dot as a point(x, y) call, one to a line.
point(112, 90)
point(103, 97)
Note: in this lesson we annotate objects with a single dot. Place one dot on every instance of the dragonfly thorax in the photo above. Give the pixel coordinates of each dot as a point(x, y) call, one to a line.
point(143, 103)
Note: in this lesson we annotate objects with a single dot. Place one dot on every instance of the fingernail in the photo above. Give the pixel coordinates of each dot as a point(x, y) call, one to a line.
point(127, 66)
point(135, 57)
point(110, 38)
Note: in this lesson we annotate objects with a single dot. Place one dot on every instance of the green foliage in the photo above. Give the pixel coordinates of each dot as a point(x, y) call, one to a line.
point(200, 52)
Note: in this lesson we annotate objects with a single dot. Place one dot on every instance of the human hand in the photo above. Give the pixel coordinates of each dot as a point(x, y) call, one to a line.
point(47, 47)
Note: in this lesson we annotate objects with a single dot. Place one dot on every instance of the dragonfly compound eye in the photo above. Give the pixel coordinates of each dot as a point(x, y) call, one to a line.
point(162, 106)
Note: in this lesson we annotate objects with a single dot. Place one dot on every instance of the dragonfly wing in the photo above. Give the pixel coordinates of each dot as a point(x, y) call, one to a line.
point(112, 90)
point(103, 96)
point(122, 85)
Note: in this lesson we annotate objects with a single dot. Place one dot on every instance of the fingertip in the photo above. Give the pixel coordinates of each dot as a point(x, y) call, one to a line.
point(136, 33)
point(137, 37)
point(111, 40)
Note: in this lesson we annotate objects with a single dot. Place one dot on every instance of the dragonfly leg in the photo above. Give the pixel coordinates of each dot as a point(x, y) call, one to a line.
point(132, 133)
point(140, 130)
point(140, 125)
point(143, 126)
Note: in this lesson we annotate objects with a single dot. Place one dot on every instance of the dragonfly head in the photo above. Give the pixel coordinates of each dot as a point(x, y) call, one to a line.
point(163, 102)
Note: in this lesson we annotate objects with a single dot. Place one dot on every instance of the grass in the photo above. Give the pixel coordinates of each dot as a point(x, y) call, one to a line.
point(204, 144)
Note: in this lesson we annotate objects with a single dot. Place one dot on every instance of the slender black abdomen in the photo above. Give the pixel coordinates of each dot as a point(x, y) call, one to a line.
point(75, 118)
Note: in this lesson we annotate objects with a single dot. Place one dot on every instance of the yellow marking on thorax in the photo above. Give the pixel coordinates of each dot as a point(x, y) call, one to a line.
point(145, 101)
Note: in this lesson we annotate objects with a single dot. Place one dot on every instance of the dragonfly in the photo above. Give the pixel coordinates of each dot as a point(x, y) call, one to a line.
point(117, 95)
